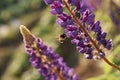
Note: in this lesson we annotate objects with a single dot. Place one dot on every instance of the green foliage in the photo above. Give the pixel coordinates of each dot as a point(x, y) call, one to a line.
point(20, 8)
point(116, 40)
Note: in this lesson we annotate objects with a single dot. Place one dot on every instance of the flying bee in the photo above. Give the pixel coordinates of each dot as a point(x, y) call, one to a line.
point(61, 37)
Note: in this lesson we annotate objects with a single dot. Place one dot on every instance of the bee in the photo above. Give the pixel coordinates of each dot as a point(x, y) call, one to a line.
point(61, 38)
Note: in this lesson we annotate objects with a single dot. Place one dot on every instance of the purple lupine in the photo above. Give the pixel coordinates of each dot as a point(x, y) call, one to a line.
point(43, 58)
point(79, 38)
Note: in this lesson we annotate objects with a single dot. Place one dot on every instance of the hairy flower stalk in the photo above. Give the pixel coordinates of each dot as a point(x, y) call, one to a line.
point(79, 26)
point(43, 58)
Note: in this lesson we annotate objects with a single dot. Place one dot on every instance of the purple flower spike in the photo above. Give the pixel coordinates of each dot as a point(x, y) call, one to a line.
point(43, 58)
point(82, 17)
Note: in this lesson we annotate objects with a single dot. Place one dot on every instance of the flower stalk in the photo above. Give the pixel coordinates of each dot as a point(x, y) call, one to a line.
point(92, 41)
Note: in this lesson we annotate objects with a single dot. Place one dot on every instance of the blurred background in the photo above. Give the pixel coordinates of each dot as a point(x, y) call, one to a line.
point(34, 14)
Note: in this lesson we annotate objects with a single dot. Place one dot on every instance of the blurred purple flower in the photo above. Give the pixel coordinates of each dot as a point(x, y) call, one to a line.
point(114, 11)
point(44, 59)
point(92, 4)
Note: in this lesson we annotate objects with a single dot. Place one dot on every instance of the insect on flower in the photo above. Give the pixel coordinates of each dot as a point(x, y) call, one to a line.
point(61, 38)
